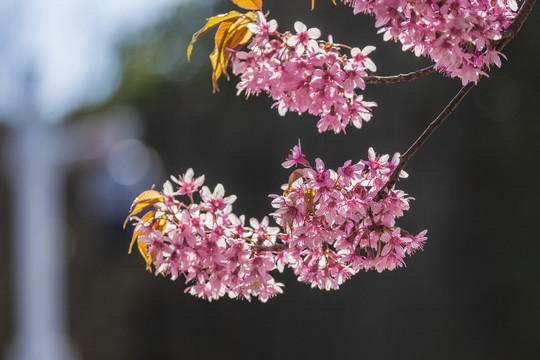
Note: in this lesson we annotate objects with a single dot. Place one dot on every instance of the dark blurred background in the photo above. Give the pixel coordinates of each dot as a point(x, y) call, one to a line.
point(473, 293)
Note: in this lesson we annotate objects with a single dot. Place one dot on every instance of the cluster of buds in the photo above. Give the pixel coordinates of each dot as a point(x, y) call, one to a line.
point(305, 75)
point(333, 225)
point(458, 35)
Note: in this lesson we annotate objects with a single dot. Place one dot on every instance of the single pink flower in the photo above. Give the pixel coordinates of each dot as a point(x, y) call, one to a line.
point(304, 38)
point(296, 157)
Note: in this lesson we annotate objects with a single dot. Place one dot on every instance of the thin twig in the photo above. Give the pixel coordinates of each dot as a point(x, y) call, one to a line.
point(399, 78)
point(516, 25)
point(422, 139)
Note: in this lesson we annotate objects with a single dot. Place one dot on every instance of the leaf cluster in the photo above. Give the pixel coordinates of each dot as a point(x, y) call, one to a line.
point(232, 33)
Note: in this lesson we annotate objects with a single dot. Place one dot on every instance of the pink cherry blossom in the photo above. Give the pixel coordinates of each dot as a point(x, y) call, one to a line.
point(304, 38)
point(305, 75)
point(457, 34)
point(296, 157)
point(331, 228)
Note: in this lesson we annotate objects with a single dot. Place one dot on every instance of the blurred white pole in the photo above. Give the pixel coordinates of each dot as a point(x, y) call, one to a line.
point(39, 281)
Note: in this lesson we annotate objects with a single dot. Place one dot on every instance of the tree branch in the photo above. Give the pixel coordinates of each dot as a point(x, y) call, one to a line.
point(517, 23)
point(276, 247)
point(399, 78)
point(513, 29)
point(422, 139)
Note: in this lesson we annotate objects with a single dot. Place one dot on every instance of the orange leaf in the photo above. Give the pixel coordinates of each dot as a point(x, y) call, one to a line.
point(239, 37)
point(249, 4)
point(216, 66)
point(237, 34)
point(313, 4)
point(147, 217)
point(221, 38)
point(147, 198)
point(148, 258)
point(230, 34)
point(213, 21)
point(309, 195)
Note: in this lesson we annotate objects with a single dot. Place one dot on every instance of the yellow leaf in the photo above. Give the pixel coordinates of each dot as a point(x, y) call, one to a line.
point(221, 38)
point(313, 4)
point(249, 4)
point(237, 34)
point(160, 225)
point(148, 258)
point(230, 34)
point(213, 21)
point(216, 66)
point(309, 195)
point(145, 199)
point(147, 217)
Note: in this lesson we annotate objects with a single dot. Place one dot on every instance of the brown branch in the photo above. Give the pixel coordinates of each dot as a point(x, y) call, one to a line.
point(276, 247)
point(399, 78)
point(514, 27)
point(517, 23)
point(422, 139)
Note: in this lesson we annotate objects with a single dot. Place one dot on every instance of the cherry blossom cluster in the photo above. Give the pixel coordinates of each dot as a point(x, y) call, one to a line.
point(333, 227)
point(305, 75)
point(458, 35)
point(336, 226)
point(207, 243)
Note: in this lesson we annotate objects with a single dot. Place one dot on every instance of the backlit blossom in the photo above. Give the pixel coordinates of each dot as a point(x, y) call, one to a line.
point(458, 35)
point(331, 228)
point(303, 74)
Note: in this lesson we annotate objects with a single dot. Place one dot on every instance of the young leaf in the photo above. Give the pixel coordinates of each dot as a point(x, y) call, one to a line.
point(145, 199)
point(148, 258)
point(313, 4)
point(249, 4)
point(230, 34)
point(147, 217)
point(213, 21)
point(216, 66)
point(234, 35)
point(221, 38)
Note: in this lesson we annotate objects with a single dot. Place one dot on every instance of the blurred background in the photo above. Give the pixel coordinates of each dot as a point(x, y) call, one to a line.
point(98, 102)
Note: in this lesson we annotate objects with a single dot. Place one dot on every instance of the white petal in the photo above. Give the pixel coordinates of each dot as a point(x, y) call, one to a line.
point(368, 49)
point(370, 65)
point(219, 191)
point(292, 41)
point(314, 33)
point(299, 27)
point(167, 188)
point(254, 27)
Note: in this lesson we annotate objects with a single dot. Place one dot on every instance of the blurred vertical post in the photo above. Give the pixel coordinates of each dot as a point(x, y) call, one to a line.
point(36, 173)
